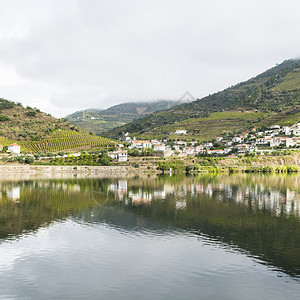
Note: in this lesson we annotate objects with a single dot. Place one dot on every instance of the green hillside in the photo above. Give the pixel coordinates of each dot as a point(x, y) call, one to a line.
point(99, 121)
point(272, 97)
point(36, 131)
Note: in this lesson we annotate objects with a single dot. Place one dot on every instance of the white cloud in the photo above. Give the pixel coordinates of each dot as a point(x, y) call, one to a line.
point(66, 55)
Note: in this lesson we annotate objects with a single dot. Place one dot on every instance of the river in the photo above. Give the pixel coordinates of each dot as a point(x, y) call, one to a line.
point(150, 237)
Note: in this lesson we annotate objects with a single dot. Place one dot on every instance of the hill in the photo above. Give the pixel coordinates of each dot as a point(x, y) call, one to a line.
point(37, 131)
point(269, 98)
point(99, 121)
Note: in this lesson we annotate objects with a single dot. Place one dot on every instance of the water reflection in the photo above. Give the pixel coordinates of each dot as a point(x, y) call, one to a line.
point(256, 215)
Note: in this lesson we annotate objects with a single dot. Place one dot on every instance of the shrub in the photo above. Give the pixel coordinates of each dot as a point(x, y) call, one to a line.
point(29, 160)
point(4, 118)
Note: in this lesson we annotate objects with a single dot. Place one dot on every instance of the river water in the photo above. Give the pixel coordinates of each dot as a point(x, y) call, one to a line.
point(150, 237)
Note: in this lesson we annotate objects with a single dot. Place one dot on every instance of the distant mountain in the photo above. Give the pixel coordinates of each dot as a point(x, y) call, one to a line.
point(269, 98)
point(99, 121)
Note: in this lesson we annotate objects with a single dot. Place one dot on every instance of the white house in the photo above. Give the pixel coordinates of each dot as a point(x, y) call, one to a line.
point(227, 150)
point(140, 144)
point(218, 151)
point(228, 143)
point(122, 156)
point(296, 129)
point(236, 139)
point(14, 148)
point(159, 148)
point(275, 127)
point(180, 131)
point(286, 130)
point(1, 147)
point(118, 155)
point(253, 148)
point(242, 148)
point(180, 143)
point(290, 142)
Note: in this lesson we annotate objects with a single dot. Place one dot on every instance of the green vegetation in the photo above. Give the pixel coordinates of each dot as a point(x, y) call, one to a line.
point(273, 169)
point(85, 159)
point(144, 152)
point(67, 140)
point(18, 123)
point(264, 100)
point(290, 82)
point(36, 131)
point(4, 118)
point(173, 165)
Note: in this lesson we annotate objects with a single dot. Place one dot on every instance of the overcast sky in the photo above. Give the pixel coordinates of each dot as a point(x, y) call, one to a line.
point(66, 55)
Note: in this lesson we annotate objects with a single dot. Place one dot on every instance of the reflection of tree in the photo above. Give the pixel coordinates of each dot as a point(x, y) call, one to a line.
point(253, 213)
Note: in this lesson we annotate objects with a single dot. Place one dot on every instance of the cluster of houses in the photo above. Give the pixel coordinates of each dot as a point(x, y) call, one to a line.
point(263, 141)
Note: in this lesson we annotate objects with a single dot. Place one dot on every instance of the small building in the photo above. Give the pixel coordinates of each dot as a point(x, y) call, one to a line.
point(208, 145)
point(140, 144)
point(275, 127)
point(296, 129)
point(1, 147)
point(14, 148)
point(183, 143)
point(159, 148)
point(236, 139)
point(219, 139)
point(228, 143)
point(122, 156)
point(118, 155)
point(242, 148)
point(180, 131)
point(227, 150)
point(289, 142)
point(217, 151)
point(252, 149)
point(286, 130)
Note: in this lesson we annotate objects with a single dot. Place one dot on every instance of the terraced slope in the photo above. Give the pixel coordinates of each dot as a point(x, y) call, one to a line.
point(67, 140)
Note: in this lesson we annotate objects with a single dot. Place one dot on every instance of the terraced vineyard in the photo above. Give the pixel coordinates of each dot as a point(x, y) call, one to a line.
point(66, 140)
point(5, 142)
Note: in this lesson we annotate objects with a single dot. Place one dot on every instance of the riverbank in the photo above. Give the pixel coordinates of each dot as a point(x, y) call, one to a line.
point(34, 169)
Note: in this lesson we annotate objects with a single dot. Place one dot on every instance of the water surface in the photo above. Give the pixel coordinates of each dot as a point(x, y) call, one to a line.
point(148, 237)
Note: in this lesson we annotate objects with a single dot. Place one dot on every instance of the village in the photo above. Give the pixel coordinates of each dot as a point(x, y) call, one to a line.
point(274, 138)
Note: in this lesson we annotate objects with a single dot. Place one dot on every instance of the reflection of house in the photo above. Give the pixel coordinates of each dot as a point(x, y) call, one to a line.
point(181, 204)
point(13, 194)
point(14, 148)
point(120, 188)
point(140, 197)
point(159, 194)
